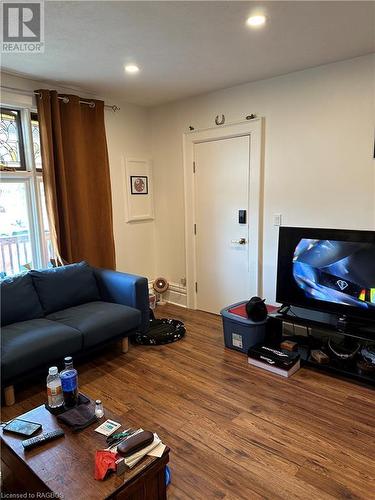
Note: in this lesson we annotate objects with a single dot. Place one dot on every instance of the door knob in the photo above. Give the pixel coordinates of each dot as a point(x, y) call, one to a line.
point(241, 241)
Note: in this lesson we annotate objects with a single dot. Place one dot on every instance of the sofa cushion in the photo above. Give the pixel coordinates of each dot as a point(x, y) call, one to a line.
point(19, 300)
point(28, 344)
point(99, 321)
point(65, 286)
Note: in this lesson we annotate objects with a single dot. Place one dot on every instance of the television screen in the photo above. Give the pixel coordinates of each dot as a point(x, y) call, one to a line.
point(328, 270)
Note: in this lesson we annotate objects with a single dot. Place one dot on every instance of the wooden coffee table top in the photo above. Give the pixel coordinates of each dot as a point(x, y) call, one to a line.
point(66, 465)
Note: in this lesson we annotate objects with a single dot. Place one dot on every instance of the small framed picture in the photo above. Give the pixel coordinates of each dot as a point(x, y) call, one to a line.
point(139, 184)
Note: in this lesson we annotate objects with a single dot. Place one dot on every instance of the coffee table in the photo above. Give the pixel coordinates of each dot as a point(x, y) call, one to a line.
point(64, 468)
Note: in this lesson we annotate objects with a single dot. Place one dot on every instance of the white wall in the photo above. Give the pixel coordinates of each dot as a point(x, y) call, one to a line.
point(127, 135)
point(319, 140)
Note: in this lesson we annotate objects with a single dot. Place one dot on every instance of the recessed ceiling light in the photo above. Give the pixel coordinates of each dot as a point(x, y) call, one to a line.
point(256, 21)
point(131, 68)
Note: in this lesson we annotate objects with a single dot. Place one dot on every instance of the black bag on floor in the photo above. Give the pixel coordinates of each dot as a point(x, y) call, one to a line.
point(162, 331)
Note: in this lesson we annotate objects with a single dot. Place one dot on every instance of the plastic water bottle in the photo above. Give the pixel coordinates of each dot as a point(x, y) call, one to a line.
point(69, 382)
point(54, 389)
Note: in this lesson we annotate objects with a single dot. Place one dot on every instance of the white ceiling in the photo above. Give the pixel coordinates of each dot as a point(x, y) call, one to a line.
point(188, 48)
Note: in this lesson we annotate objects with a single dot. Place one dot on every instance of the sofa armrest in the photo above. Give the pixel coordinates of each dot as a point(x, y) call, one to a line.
point(126, 289)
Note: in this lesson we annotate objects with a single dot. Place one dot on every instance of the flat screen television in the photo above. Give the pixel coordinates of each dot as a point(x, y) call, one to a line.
point(329, 270)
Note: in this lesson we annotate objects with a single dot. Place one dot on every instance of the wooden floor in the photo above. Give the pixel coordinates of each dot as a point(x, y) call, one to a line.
point(235, 431)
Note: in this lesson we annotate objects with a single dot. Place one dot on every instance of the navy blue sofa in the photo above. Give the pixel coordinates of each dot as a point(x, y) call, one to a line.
point(52, 313)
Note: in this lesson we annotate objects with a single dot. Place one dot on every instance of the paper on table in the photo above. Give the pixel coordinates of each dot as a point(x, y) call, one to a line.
point(157, 451)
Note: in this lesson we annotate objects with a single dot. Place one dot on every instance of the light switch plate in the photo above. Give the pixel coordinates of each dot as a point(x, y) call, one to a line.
point(277, 219)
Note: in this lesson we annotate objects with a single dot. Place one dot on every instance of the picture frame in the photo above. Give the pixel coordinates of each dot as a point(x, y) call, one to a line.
point(138, 184)
point(138, 208)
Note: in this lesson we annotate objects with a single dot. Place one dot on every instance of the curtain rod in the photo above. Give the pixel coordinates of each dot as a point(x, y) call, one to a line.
point(64, 99)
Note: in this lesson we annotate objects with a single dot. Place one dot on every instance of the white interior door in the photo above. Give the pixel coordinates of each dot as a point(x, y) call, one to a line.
point(222, 170)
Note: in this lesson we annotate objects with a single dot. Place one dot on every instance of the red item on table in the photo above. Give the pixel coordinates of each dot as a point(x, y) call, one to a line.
point(104, 461)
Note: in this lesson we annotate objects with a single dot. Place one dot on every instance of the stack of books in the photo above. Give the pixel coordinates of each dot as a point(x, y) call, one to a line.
point(274, 359)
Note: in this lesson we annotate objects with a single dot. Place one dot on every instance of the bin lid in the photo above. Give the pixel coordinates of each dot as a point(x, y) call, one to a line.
point(240, 310)
point(225, 313)
point(237, 312)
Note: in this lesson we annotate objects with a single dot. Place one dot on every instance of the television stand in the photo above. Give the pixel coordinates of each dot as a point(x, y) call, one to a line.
point(312, 334)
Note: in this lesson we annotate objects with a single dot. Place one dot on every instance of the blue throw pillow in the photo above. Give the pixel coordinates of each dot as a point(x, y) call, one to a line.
point(19, 300)
point(65, 286)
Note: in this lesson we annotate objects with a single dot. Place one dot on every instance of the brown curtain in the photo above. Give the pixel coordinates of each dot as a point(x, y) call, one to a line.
point(76, 178)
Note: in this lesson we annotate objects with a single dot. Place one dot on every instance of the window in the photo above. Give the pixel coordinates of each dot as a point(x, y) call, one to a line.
point(24, 231)
point(11, 141)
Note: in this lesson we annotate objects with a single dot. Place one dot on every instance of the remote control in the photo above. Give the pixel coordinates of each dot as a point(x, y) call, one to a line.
point(42, 438)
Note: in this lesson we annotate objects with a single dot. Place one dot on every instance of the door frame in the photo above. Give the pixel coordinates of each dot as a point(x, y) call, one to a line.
point(253, 129)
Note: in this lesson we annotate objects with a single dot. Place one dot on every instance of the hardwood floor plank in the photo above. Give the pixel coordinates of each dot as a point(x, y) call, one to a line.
point(235, 431)
point(301, 448)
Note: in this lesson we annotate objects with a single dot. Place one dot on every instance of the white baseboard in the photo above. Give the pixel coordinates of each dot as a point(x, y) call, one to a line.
point(176, 294)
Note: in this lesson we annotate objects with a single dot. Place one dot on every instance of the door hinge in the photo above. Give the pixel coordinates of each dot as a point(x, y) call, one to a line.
point(195, 229)
point(196, 287)
point(193, 167)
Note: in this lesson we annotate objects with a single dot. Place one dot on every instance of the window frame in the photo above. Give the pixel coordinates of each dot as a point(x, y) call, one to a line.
point(23, 166)
point(34, 116)
point(32, 178)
